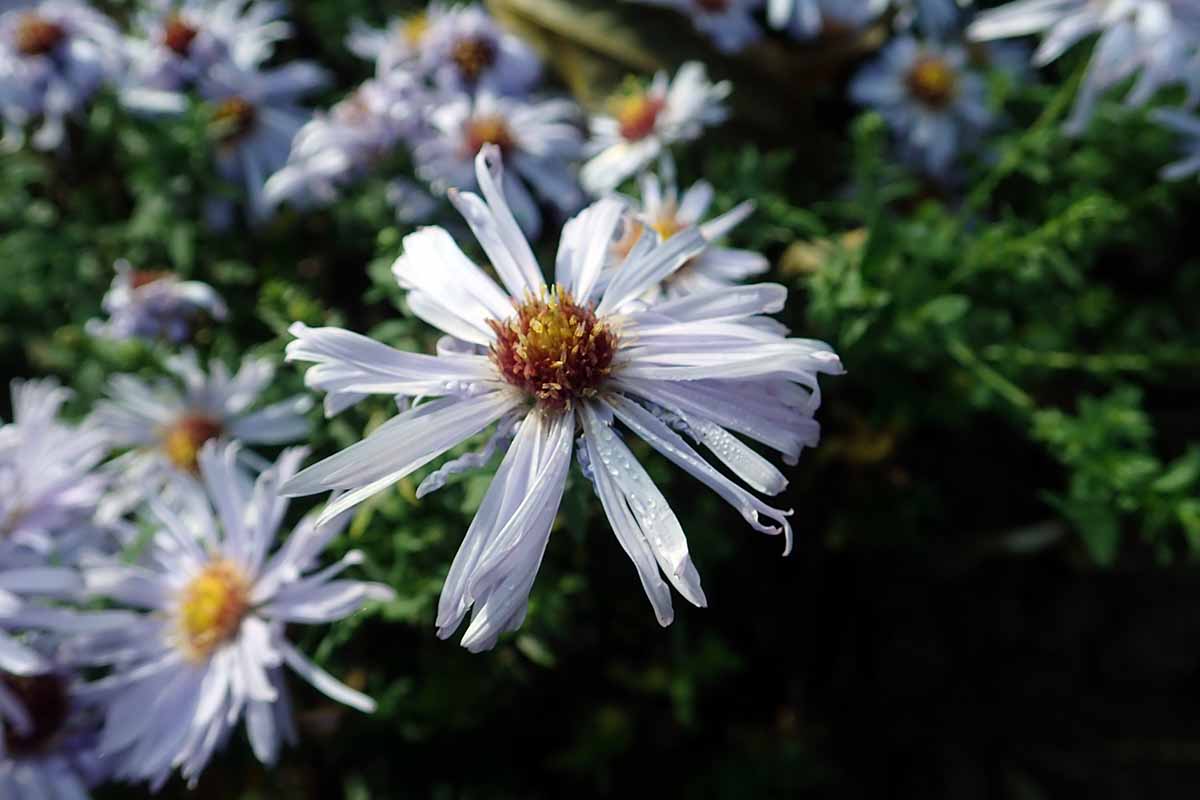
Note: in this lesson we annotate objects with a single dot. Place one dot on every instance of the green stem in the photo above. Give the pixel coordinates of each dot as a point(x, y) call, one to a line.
point(989, 376)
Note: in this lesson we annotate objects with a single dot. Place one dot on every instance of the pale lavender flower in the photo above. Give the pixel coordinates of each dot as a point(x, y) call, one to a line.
point(54, 56)
point(805, 19)
point(1155, 40)
point(255, 116)
point(664, 213)
point(539, 140)
point(48, 750)
point(149, 304)
point(935, 105)
point(645, 122)
point(211, 648)
point(1188, 128)
point(165, 424)
point(49, 485)
point(729, 24)
point(464, 49)
point(549, 361)
point(399, 44)
point(180, 40)
point(342, 145)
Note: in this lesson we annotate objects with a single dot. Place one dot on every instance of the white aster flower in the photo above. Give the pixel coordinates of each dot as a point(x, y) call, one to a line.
point(729, 23)
point(398, 45)
point(806, 19)
point(49, 489)
point(464, 49)
point(933, 102)
point(539, 141)
point(645, 122)
point(551, 361)
point(1154, 39)
point(180, 40)
point(164, 424)
point(211, 648)
point(1188, 128)
point(255, 116)
point(54, 55)
point(150, 304)
point(666, 214)
point(340, 146)
point(47, 738)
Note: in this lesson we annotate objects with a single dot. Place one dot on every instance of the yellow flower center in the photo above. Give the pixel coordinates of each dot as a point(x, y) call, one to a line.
point(488, 129)
point(554, 349)
point(933, 81)
point(637, 115)
point(667, 224)
point(413, 29)
point(183, 440)
point(473, 55)
point(38, 36)
point(232, 119)
point(211, 608)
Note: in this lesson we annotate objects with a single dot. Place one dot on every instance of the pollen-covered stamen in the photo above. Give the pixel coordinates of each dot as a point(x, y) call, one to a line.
point(473, 55)
point(45, 700)
point(182, 440)
point(933, 81)
point(554, 349)
point(211, 608)
point(233, 119)
point(488, 129)
point(178, 35)
point(637, 114)
point(38, 36)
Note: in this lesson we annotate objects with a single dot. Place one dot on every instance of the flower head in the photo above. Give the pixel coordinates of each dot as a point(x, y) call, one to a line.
point(729, 23)
point(150, 304)
point(54, 55)
point(805, 19)
point(645, 121)
point(1156, 40)
point(165, 425)
point(463, 49)
point(399, 45)
point(538, 138)
point(547, 361)
point(933, 102)
point(210, 649)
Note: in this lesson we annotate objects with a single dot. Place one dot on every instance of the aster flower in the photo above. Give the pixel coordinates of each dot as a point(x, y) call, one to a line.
point(934, 104)
point(255, 116)
point(464, 49)
point(1153, 39)
point(180, 40)
point(729, 23)
point(164, 424)
point(210, 649)
point(1188, 128)
point(538, 140)
point(49, 489)
point(54, 55)
point(666, 214)
point(151, 304)
point(399, 44)
point(338, 147)
point(806, 19)
point(645, 122)
point(47, 738)
point(548, 361)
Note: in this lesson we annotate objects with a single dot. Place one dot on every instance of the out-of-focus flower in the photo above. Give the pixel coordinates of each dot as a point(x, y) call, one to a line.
point(1156, 40)
point(410, 200)
point(548, 360)
point(646, 121)
point(180, 40)
point(255, 116)
point(729, 23)
point(211, 648)
point(151, 304)
point(335, 148)
point(934, 104)
point(399, 44)
point(48, 734)
point(49, 486)
point(539, 141)
point(54, 55)
point(463, 49)
point(666, 214)
point(1188, 127)
point(165, 425)
point(805, 19)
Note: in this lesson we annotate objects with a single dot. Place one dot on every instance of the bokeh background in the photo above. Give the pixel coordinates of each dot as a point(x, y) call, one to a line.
point(994, 588)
